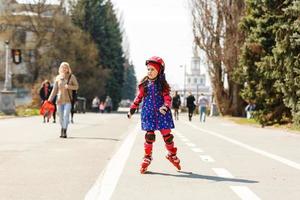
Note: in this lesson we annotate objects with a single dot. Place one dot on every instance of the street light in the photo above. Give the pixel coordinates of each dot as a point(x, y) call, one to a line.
point(7, 97)
point(7, 82)
point(184, 85)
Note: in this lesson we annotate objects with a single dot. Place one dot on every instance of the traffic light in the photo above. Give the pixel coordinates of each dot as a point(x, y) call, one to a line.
point(16, 56)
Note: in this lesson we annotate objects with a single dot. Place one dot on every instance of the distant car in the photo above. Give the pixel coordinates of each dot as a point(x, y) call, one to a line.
point(80, 106)
point(125, 103)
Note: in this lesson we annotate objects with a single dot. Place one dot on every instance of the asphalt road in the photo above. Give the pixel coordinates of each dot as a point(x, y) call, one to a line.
point(101, 158)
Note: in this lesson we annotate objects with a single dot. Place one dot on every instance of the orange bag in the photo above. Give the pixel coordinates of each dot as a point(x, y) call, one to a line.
point(47, 108)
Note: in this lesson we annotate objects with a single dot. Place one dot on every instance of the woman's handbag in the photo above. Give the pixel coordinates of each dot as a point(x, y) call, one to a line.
point(47, 108)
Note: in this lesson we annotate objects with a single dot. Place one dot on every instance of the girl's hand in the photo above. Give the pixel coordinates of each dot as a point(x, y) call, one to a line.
point(67, 86)
point(131, 112)
point(163, 110)
point(46, 101)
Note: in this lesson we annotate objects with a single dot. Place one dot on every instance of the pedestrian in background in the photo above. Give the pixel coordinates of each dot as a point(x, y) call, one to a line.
point(176, 105)
point(190, 103)
point(44, 93)
point(102, 107)
point(95, 104)
point(156, 114)
point(65, 82)
point(108, 104)
point(249, 109)
point(202, 103)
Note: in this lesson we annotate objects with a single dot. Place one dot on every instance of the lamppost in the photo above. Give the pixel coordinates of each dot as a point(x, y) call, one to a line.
point(197, 92)
point(7, 82)
point(184, 82)
point(7, 103)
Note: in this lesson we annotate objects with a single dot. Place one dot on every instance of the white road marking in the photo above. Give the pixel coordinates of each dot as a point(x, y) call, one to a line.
point(197, 150)
point(178, 134)
point(259, 151)
point(107, 181)
point(184, 139)
point(206, 158)
point(181, 136)
point(221, 172)
point(190, 144)
point(244, 193)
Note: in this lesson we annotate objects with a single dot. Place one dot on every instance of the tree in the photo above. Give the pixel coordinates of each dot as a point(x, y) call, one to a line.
point(216, 33)
point(260, 25)
point(130, 82)
point(53, 39)
point(287, 57)
point(97, 17)
point(33, 22)
point(75, 46)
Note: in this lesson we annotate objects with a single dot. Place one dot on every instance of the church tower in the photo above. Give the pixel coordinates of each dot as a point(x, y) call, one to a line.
point(195, 62)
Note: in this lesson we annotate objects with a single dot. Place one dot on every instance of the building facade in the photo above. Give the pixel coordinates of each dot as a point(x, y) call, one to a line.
point(20, 24)
point(196, 79)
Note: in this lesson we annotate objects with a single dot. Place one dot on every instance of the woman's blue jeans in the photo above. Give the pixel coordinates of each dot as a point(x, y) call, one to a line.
point(64, 114)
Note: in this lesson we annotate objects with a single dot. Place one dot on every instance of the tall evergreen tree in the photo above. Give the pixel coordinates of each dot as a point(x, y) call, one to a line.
point(76, 46)
point(99, 19)
point(130, 83)
point(260, 24)
point(287, 57)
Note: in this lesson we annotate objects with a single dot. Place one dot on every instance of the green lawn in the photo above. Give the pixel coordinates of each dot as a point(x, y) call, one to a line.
point(245, 121)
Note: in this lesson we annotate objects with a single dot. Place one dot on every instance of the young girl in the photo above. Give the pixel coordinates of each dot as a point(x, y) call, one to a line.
point(102, 107)
point(45, 92)
point(154, 91)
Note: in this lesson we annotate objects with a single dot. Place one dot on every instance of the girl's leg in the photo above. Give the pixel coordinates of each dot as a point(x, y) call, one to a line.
point(149, 140)
point(168, 138)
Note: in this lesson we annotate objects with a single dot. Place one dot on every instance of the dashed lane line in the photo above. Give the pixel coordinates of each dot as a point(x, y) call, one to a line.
point(207, 158)
point(250, 148)
point(197, 150)
point(244, 193)
point(190, 144)
point(221, 172)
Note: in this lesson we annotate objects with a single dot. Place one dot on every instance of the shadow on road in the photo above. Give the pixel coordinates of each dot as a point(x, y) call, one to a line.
point(93, 138)
point(184, 174)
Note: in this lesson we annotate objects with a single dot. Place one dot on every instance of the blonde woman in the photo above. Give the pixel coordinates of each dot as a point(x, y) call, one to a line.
point(64, 83)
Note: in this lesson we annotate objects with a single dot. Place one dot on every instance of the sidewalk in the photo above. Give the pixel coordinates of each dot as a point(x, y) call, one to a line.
point(7, 116)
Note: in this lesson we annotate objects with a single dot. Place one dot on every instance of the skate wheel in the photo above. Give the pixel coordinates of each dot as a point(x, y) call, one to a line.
point(143, 170)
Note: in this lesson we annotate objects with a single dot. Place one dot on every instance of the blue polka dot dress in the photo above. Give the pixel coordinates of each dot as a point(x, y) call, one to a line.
point(152, 119)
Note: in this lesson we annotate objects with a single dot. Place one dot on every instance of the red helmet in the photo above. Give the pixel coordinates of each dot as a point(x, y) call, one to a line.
point(157, 60)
